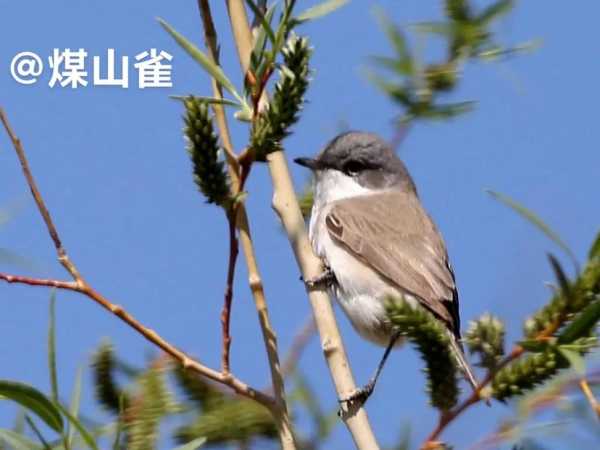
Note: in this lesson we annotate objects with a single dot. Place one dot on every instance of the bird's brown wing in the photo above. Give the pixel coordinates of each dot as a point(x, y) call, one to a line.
point(392, 234)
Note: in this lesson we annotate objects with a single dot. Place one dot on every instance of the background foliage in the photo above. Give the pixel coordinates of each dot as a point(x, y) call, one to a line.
point(138, 397)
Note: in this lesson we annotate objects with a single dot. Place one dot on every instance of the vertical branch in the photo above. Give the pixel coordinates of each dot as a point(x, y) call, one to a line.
point(286, 206)
point(226, 311)
point(238, 175)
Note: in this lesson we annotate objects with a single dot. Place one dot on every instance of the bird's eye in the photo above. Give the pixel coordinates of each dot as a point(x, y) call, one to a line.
point(353, 167)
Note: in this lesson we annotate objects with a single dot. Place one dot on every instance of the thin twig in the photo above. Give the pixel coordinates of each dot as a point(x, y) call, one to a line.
point(286, 206)
point(80, 285)
point(37, 196)
point(589, 395)
point(226, 311)
point(517, 352)
point(447, 418)
point(545, 401)
point(238, 175)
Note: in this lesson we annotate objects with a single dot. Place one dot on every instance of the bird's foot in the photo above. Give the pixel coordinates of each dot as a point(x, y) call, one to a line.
point(324, 279)
point(359, 397)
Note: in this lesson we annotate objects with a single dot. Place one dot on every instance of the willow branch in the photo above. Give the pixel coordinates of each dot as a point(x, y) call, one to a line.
point(80, 285)
point(286, 206)
point(238, 176)
point(589, 395)
point(517, 351)
point(228, 300)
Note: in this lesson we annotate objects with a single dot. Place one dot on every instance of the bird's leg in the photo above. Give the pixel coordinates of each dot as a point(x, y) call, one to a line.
point(326, 279)
point(361, 395)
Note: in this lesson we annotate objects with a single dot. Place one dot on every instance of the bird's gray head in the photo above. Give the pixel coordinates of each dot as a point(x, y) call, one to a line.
point(356, 163)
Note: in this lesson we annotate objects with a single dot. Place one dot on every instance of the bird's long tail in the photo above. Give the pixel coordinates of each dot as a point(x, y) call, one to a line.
point(463, 365)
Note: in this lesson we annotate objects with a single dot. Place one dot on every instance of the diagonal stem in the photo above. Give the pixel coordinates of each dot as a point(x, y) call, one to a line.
point(238, 175)
point(226, 311)
point(81, 286)
point(286, 206)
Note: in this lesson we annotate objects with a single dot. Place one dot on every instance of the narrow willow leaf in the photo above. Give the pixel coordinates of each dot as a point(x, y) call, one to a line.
point(495, 11)
point(34, 400)
point(209, 100)
point(52, 347)
point(17, 441)
point(264, 20)
point(213, 69)
point(438, 28)
point(395, 36)
point(74, 406)
point(449, 110)
point(582, 324)
point(320, 10)
point(535, 220)
point(119, 424)
point(595, 249)
point(258, 52)
point(192, 445)
point(575, 359)
point(83, 432)
point(37, 433)
point(19, 425)
point(561, 277)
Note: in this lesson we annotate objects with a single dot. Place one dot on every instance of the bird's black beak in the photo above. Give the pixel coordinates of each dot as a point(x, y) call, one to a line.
point(310, 163)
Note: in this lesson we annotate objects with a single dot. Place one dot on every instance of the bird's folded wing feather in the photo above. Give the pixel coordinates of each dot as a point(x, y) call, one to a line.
point(392, 234)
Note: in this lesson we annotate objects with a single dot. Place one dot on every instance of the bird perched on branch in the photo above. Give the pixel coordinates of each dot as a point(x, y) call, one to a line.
point(376, 241)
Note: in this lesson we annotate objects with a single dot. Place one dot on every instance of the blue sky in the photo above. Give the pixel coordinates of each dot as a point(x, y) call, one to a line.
point(112, 167)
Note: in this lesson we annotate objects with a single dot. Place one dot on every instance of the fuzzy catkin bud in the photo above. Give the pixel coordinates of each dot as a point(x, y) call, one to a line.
point(526, 373)
point(273, 124)
point(203, 147)
point(485, 337)
point(234, 420)
point(561, 308)
point(433, 342)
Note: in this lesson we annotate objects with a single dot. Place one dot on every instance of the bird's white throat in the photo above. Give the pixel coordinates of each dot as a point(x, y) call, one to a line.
point(331, 185)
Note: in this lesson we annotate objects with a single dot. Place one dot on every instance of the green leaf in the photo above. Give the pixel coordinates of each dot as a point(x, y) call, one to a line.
point(595, 250)
point(320, 10)
point(575, 359)
point(85, 434)
point(119, 424)
point(37, 432)
point(533, 345)
point(52, 347)
point(494, 11)
point(209, 100)
point(439, 28)
point(582, 324)
point(74, 406)
point(33, 400)
point(448, 111)
point(213, 69)
point(398, 41)
point(264, 21)
point(535, 220)
point(256, 59)
point(17, 441)
point(192, 445)
point(561, 277)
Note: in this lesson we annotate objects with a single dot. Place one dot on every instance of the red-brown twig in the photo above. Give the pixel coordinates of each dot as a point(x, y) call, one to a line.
point(80, 285)
point(447, 418)
point(589, 395)
point(226, 311)
point(517, 352)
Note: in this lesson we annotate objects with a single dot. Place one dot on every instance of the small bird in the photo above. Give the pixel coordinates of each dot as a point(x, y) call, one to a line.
point(376, 241)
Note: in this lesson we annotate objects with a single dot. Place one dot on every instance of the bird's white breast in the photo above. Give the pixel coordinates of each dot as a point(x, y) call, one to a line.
point(360, 291)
